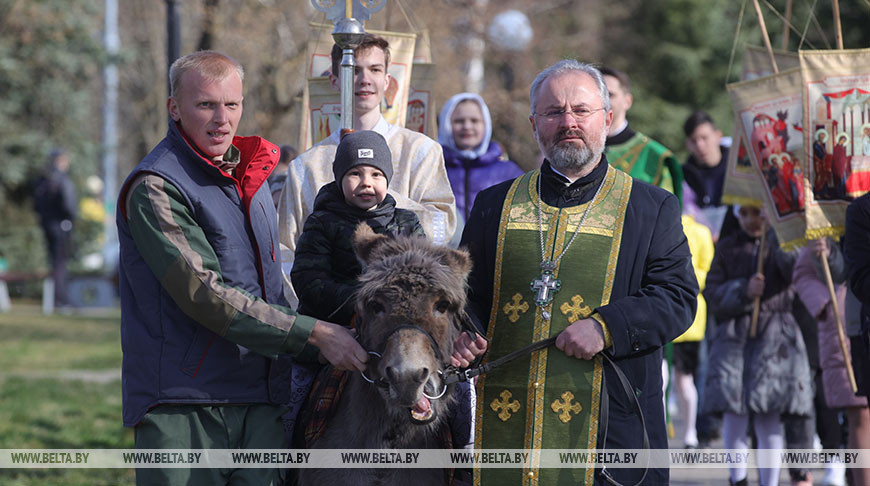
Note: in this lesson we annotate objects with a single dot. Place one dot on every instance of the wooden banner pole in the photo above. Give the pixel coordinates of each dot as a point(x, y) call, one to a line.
point(756, 304)
point(835, 308)
point(765, 35)
point(787, 27)
point(838, 29)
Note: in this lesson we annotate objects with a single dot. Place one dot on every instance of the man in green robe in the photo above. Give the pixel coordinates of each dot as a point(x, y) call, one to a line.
point(581, 251)
point(633, 152)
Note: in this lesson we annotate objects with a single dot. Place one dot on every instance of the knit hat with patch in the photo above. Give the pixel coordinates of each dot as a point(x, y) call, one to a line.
point(362, 148)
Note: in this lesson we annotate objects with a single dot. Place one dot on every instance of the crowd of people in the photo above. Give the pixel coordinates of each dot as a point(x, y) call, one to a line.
point(237, 280)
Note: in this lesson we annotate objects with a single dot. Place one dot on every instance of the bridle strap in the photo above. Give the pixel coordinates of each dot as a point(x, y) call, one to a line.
point(381, 382)
point(455, 375)
point(605, 414)
point(413, 327)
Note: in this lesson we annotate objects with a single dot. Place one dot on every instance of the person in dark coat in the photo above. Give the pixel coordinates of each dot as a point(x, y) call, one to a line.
point(768, 375)
point(856, 248)
point(618, 283)
point(54, 199)
point(857, 251)
point(705, 169)
point(325, 270)
point(473, 160)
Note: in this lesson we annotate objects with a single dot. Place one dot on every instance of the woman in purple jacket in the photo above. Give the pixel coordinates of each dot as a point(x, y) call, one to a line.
point(474, 162)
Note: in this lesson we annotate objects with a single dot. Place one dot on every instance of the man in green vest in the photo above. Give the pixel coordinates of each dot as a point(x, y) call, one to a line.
point(633, 152)
point(580, 251)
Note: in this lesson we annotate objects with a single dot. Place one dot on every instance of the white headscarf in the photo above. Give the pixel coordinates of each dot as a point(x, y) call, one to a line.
point(445, 128)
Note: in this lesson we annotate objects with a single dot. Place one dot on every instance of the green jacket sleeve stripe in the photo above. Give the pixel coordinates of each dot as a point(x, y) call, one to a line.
point(177, 251)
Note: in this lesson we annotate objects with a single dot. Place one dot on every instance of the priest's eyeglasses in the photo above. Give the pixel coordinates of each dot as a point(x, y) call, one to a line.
point(579, 114)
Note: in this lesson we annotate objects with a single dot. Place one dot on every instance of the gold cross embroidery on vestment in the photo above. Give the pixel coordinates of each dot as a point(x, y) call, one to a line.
point(513, 308)
point(504, 405)
point(575, 309)
point(564, 408)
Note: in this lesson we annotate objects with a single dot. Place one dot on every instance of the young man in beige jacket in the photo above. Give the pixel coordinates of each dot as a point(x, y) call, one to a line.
point(419, 180)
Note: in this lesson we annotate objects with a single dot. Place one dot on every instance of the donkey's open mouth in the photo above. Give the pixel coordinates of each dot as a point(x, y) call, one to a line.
point(422, 412)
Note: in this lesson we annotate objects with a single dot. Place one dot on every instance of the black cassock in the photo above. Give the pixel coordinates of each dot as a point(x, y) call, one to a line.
point(652, 302)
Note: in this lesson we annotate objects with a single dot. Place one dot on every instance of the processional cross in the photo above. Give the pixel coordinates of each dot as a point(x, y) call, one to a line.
point(546, 286)
point(348, 33)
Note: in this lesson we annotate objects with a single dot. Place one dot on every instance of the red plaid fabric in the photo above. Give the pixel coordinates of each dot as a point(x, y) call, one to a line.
point(325, 395)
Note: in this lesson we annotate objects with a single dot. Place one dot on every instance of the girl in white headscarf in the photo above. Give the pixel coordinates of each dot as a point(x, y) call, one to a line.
point(474, 162)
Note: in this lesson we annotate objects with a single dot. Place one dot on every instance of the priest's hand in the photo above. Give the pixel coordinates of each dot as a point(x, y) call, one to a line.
point(465, 350)
point(583, 339)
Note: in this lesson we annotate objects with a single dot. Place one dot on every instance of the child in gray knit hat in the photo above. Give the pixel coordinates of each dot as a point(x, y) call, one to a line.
point(325, 268)
point(363, 167)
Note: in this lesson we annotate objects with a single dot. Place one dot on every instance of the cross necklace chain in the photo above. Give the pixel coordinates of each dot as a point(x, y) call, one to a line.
point(548, 284)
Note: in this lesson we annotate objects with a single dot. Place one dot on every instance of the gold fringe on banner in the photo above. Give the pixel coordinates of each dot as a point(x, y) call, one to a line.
point(793, 244)
point(740, 200)
point(832, 231)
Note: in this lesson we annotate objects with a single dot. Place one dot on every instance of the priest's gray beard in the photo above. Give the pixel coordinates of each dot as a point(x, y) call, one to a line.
point(571, 158)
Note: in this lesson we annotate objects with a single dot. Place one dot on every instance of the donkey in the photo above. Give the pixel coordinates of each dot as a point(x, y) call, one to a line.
point(410, 305)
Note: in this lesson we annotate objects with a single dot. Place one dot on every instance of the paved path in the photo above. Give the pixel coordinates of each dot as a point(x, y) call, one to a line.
point(718, 477)
point(91, 376)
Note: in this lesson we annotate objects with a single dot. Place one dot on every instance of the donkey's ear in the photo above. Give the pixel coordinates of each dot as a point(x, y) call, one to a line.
point(365, 240)
point(459, 261)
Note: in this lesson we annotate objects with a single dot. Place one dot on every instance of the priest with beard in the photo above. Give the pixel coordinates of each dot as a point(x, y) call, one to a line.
point(581, 251)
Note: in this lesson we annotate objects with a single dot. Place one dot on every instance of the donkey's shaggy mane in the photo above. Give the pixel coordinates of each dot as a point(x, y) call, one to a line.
point(417, 270)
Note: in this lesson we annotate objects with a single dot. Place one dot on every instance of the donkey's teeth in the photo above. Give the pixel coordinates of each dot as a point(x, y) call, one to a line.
point(422, 410)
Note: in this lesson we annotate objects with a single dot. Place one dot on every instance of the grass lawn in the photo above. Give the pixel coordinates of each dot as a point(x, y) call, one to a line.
point(38, 411)
point(30, 341)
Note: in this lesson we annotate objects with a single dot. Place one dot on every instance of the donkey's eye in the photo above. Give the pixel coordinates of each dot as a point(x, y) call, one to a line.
point(442, 306)
point(374, 307)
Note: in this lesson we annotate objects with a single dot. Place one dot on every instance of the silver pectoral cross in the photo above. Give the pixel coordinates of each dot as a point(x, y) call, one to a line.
point(545, 286)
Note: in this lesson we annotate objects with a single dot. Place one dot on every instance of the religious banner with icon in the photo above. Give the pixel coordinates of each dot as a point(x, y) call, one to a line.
point(395, 100)
point(770, 112)
point(741, 179)
point(756, 62)
point(836, 92)
point(421, 115)
point(421, 102)
point(324, 108)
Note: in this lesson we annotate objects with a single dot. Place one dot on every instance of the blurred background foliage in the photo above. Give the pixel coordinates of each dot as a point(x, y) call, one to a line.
point(677, 52)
